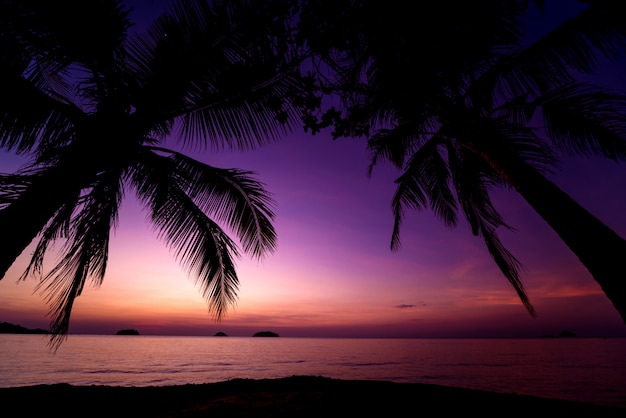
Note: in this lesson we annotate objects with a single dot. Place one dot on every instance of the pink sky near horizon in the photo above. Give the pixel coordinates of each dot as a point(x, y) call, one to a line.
point(333, 273)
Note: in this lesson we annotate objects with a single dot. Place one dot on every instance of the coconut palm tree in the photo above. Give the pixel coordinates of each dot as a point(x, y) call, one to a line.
point(92, 105)
point(490, 111)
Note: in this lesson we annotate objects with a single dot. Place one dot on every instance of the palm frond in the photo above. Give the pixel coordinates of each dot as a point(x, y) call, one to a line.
point(578, 45)
point(518, 110)
point(244, 120)
point(508, 264)
point(519, 73)
point(473, 178)
point(34, 106)
point(57, 228)
point(12, 186)
point(30, 117)
point(50, 41)
point(597, 31)
point(201, 247)
point(484, 220)
point(425, 182)
point(72, 31)
point(586, 120)
point(206, 252)
point(34, 197)
point(392, 145)
point(502, 143)
point(230, 196)
point(225, 83)
point(177, 209)
point(84, 254)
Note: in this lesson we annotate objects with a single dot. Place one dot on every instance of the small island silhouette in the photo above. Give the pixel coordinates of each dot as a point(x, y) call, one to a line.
point(220, 334)
point(127, 332)
point(563, 334)
point(265, 334)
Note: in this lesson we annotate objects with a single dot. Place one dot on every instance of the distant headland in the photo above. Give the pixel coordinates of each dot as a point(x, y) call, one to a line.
point(8, 328)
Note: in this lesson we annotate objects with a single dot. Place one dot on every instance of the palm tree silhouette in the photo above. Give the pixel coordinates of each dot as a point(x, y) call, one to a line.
point(478, 109)
point(94, 106)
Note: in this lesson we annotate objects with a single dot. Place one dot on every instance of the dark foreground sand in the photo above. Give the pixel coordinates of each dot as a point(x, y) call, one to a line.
point(297, 396)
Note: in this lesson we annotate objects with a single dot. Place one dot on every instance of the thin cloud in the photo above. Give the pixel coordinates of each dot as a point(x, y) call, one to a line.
point(407, 306)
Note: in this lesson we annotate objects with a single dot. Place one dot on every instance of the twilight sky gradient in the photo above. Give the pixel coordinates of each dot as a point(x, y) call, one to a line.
point(333, 274)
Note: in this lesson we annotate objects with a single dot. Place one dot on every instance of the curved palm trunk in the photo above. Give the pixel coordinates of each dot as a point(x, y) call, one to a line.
point(597, 246)
point(26, 217)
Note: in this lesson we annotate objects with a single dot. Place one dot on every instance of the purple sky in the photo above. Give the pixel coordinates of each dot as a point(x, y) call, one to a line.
point(333, 273)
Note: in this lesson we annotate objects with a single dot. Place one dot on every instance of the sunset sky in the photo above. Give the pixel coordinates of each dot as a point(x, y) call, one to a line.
point(333, 273)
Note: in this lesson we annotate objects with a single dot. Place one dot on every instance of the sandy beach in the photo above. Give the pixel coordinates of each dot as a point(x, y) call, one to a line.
point(296, 396)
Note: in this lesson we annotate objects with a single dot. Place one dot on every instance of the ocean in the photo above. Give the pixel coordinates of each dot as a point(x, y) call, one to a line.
point(582, 369)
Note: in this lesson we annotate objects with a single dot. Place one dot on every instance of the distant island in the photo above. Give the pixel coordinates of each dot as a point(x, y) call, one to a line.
point(220, 334)
point(265, 334)
point(8, 328)
point(127, 332)
point(563, 334)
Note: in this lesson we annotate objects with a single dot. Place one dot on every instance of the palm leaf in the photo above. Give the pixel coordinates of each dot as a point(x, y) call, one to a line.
point(424, 183)
point(501, 142)
point(84, 254)
point(45, 44)
point(473, 178)
point(391, 145)
point(578, 45)
point(233, 197)
point(508, 264)
point(177, 192)
point(223, 82)
point(30, 117)
point(229, 196)
point(12, 186)
point(585, 119)
point(597, 31)
point(202, 247)
point(72, 31)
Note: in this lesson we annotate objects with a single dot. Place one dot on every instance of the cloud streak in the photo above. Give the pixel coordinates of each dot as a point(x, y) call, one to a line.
point(410, 306)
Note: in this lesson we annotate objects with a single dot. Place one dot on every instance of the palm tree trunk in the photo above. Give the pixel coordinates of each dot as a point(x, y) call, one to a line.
point(596, 245)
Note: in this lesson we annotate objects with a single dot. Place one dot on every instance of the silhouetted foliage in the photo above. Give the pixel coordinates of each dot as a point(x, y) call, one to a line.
point(455, 97)
point(93, 104)
point(447, 91)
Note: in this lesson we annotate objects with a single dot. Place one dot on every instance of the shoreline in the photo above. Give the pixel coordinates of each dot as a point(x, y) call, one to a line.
point(302, 396)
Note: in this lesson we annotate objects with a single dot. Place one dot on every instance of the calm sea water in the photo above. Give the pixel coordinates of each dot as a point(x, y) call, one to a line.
point(583, 369)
